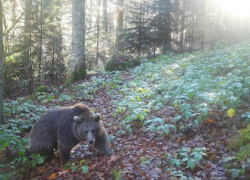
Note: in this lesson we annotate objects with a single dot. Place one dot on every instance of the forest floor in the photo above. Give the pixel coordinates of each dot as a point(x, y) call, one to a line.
point(140, 155)
point(172, 117)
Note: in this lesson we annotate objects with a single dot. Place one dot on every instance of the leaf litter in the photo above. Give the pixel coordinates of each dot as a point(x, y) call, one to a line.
point(132, 149)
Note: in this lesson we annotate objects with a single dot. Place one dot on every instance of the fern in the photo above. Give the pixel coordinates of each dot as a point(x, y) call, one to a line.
point(240, 139)
point(241, 143)
point(243, 153)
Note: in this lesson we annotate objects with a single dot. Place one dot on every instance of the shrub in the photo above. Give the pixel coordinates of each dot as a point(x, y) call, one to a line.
point(42, 89)
point(121, 62)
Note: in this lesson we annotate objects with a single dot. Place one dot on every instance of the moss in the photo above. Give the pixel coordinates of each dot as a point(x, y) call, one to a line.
point(81, 74)
point(121, 63)
point(42, 89)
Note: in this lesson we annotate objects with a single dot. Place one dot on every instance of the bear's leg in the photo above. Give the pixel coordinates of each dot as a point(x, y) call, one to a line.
point(102, 144)
point(32, 150)
point(49, 155)
point(64, 152)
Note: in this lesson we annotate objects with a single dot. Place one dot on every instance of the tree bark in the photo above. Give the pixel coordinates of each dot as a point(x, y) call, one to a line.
point(203, 14)
point(27, 49)
point(78, 39)
point(192, 38)
point(105, 16)
point(97, 30)
point(183, 16)
point(119, 24)
point(40, 42)
point(1, 64)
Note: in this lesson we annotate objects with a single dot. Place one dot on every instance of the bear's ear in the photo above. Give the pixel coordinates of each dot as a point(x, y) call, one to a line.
point(97, 117)
point(77, 119)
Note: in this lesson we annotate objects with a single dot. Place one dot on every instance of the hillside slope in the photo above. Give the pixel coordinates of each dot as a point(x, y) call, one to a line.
point(170, 118)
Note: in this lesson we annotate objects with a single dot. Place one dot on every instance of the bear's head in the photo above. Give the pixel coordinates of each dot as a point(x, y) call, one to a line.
point(88, 127)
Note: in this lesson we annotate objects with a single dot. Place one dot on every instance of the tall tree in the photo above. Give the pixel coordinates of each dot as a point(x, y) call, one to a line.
point(105, 16)
point(27, 48)
point(203, 18)
point(137, 37)
point(97, 29)
point(183, 16)
point(119, 24)
point(78, 39)
point(1, 64)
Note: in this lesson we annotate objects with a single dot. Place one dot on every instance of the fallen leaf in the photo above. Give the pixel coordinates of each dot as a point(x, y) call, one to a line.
point(53, 176)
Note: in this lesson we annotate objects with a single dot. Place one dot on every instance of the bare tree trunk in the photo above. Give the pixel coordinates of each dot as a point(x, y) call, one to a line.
point(27, 48)
point(119, 24)
point(40, 42)
point(78, 39)
point(105, 16)
point(97, 30)
point(1, 65)
point(203, 9)
point(192, 40)
point(183, 16)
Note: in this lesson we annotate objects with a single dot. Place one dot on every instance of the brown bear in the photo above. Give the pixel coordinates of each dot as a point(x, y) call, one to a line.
point(63, 128)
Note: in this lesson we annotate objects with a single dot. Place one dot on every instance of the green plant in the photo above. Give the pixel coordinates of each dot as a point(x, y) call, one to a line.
point(191, 157)
point(117, 174)
point(42, 89)
point(176, 173)
point(146, 161)
point(157, 125)
point(82, 166)
point(235, 172)
point(241, 143)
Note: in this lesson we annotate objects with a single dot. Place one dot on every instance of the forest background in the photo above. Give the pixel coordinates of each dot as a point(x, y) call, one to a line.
point(39, 43)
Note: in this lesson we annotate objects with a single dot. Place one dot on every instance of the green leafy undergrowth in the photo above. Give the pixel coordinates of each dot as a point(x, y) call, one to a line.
point(186, 156)
point(21, 115)
point(241, 143)
point(194, 84)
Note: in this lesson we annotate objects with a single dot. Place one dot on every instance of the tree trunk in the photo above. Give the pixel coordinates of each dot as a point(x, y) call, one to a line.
point(183, 16)
point(105, 16)
point(203, 9)
point(1, 65)
point(78, 39)
point(27, 31)
point(192, 36)
point(40, 42)
point(97, 30)
point(119, 25)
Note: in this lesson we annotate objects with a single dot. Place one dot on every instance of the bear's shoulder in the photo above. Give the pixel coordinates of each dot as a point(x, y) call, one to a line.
point(82, 109)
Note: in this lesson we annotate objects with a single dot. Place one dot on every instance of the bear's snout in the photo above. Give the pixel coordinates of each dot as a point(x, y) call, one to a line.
point(92, 142)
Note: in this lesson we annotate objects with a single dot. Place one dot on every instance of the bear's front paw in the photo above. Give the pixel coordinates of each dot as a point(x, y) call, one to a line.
point(109, 152)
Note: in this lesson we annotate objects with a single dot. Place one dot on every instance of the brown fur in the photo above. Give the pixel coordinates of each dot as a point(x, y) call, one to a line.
point(64, 128)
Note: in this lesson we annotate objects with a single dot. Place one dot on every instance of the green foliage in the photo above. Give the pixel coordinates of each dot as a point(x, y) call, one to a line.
point(81, 74)
point(193, 84)
point(158, 125)
point(21, 115)
point(184, 155)
point(117, 174)
point(146, 161)
point(44, 97)
point(121, 62)
point(241, 143)
point(235, 171)
point(82, 166)
point(42, 89)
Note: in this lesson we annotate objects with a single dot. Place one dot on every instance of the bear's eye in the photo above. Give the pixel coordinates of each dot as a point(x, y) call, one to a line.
point(92, 131)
